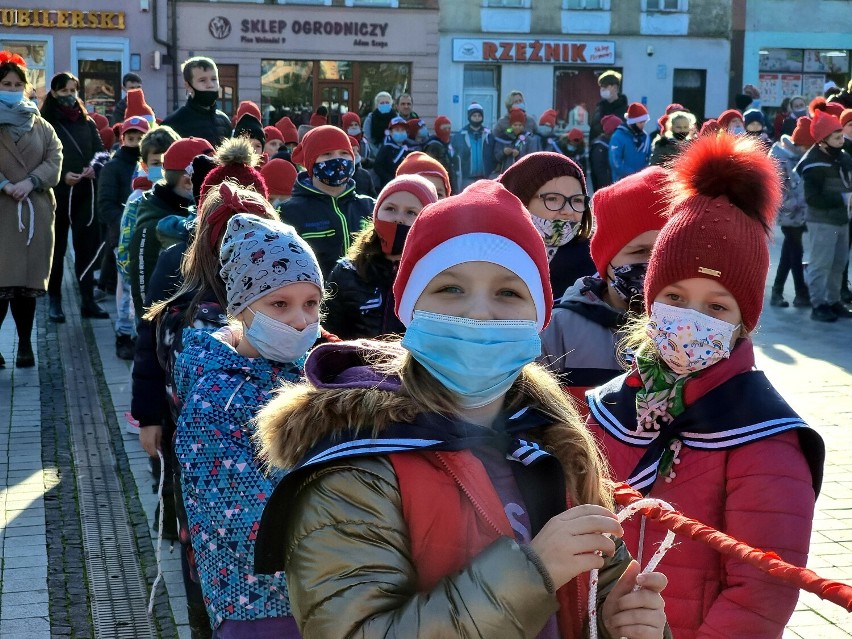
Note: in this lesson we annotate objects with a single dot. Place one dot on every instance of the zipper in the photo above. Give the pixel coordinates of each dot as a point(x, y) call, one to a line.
point(467, 494)
point(343, 223)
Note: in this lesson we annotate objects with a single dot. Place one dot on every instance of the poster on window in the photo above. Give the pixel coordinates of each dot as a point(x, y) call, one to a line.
point(780, 60)
point(770, 89)
point(812, 86)
point(791, 84)
point(826, 61)
point(34, 53)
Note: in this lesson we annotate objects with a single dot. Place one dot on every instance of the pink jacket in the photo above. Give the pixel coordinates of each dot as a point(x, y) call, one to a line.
point(761, 492)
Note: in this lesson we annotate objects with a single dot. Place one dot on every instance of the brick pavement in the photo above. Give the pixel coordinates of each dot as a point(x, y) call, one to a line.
point(810, 363)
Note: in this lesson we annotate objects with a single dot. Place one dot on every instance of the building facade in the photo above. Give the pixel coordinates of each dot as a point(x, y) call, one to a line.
point(796, 47)
point(97, 40)
point(292, 57)
point(553, 50)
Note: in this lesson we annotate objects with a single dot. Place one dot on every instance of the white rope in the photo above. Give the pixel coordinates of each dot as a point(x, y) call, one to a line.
point(21, 219)
point(159, 577)
point(665, 546)
point(70, 194)
point(92, 217)
point(92, 263)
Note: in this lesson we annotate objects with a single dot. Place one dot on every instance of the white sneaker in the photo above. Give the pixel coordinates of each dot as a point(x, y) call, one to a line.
point(131, 426)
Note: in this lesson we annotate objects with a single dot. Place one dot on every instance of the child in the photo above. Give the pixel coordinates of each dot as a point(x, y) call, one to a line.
point(114, 187)
point(474, 144)
point(248, 126)
point(360, 303)
point(787, 152)
point(438, 147)
point(392, 151)
point(693, 423)
point(290, 134)
point(581, 342)
point(731, 121)
point(449, 538)
point(324, 208)
point(363, 179)
point(222, 379)
point(553, 188)
point(274, 141)
point(678, 130)
point(546, 131)
point(418, 163)
point(599, 153)
point(513, 143)
point(170, 196)
point(630, 146)
point(280, 176)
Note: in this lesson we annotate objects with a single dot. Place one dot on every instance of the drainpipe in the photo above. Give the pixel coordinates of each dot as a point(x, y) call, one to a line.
point(171, 49)
point(174, 40)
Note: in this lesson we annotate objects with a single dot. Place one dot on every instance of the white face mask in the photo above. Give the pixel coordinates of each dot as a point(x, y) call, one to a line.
point(280, 342)
point(606, 93)
point(689, 341)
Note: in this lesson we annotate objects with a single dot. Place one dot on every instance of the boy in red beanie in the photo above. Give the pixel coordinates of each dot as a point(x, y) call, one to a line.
point(826, 170)
point(581, 342)
point(324, 208)
point(546, 132)
point(513, 143)
point(439, 147)
point(279, 176)
point(630, 145)
point(692, 422)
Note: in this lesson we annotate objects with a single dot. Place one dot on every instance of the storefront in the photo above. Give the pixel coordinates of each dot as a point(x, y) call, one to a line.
point(291, 59)
point(787, 72)
point(561, 73)
point(96, 42)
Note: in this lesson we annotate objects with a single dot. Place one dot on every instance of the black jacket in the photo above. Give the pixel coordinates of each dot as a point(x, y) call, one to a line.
point(388, 159)
point(446, 155)
point(358, 308)
point(825, 178)
point(571, 262)
point(118, 111)
point(192, 120)
point(80, 141)
point(599, 162)
point(462, 141)
point(364, 183)
point(114, 185)
point(617, 108)
point(324, 222)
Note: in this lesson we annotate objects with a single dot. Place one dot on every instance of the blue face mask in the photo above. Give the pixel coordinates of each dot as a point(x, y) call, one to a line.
point(384, 108)
point(399, 136)
point(478, 360)
point(155, 173)
point(334, 172)
point(11, 97)
point(520, 105)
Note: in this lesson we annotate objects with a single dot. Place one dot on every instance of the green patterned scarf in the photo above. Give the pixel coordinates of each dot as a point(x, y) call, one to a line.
point(660, 399)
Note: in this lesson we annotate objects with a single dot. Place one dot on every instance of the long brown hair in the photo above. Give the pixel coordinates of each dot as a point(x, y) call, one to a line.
point(50, 106)
point(200, 265)
point(365, 252)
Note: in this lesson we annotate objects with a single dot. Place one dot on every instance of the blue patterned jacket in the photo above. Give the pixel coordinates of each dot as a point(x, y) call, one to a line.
point(224, 487)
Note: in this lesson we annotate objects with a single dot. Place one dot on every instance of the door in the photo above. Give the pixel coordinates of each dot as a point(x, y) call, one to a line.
point(576, 94)
point(689, 89)
point(229, 95)
point(100, 82)
point(336, 96)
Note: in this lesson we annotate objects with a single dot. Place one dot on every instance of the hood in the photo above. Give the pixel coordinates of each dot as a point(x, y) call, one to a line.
point(154, 203)
point(207, 353)
point(786, 148)
point(176, 227)
point(584, 298)
point(814, 156)
point(305, 187)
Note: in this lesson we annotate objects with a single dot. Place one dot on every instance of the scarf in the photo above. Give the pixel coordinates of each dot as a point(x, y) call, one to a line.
point(72, 113)
point(18, 118)
point(660, 399)
point(555, 233)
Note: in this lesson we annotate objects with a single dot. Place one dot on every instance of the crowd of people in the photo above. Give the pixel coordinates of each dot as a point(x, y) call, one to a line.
point(394, 374)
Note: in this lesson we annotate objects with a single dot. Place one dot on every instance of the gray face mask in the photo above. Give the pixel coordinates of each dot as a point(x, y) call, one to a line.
point(280, 342)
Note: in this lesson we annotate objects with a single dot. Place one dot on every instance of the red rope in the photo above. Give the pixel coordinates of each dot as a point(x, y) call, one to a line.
point(769, 562)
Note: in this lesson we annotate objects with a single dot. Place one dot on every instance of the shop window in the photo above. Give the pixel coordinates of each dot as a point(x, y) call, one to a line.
point(335, 70)
point(287, 88)
point(38, 54)
point(787, 72)
point(589, 5)
point(320, 2)
point(393, 77)
point(229, 95)
point(100, 63)
point(516, 4)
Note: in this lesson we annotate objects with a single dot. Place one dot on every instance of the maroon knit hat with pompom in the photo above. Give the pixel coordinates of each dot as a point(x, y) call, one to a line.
point(237, 162)
point(724, 192)
point(526, 176)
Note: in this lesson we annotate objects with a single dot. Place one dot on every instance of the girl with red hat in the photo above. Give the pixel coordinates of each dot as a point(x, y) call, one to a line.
point(361, 300)
point(443, 485)
point(513, 143)
point(692, 422)
point(439, 147)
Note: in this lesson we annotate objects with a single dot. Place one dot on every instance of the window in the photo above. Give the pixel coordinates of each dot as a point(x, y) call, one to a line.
point(665, 5)
point(592, 5)
point(321, 2)
point(38, 54)
point(372, 3)
point(287, 86)
point(514, 4)
point(100, 63)
point(393, 77)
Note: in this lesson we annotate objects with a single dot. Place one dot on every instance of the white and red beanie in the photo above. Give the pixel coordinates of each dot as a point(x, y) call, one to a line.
point(636, 113)
point(484, 223)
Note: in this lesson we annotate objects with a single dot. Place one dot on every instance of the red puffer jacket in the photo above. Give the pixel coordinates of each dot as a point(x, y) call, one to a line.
point(761, 493)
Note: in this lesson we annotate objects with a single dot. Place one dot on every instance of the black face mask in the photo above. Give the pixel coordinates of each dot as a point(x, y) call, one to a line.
point(755, 133)
point(832, 151)
point(628, 281)
point(635, 128)
point(680, 136)
point(205, 99)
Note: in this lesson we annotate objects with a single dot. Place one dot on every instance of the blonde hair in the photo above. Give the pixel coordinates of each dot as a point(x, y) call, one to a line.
point(680, 115)
point(586, 473)
point(200, 265)
point(511, 97)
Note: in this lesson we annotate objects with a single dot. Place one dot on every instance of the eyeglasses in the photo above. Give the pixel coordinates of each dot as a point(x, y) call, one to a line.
point(556, 201)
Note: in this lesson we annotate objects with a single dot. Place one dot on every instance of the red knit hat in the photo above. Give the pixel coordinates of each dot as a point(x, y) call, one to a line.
point(575, 135)
point(710, 127)
point(548, 117)
point(675, 106)
point(141, 183)
point(817, 104)
point(107, 137)
point(178, 157)
point(526, 176)
point(834, 108)
point(484, 223)
point(237, 162)
point(802, 133)
point(625, 210)
point(247, 106)
point(726, 117)
point(418, 186)
point(846, 117)
point(136, 105)
point(724, 192)
point(517, 115)
point(288, 130)
point(636, 113)
point(319, 117)
point(419, 163)
point(279, 175)
point(443, 134)
point(349, 118)
point(272, 133)
point(322, 139)
point(610, 123)
point(99, 120)
point(134, 123)
point(823, 125)
point(413, 127)
point(356, 145)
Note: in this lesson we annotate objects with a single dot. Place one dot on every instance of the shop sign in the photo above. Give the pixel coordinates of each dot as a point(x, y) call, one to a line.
point(61, 19)
point(274, 31)
point(534, 51)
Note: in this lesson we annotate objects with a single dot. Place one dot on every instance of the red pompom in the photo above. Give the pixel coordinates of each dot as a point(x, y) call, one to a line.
point(14, 58)
point(735, 166)
point(817, 104)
